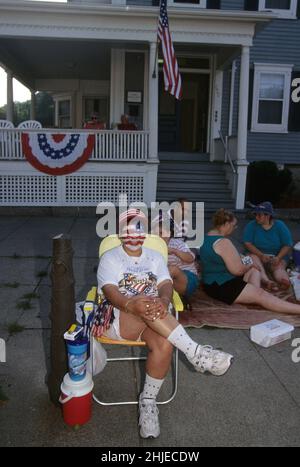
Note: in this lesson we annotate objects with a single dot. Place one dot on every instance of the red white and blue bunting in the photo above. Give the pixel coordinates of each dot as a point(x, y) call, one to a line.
point(57, 154)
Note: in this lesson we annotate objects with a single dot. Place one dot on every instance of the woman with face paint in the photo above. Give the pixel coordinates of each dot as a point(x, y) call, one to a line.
point(136, 281)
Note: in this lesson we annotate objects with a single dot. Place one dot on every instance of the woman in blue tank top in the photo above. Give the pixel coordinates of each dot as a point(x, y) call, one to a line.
point(224, 275)
point(270, 241)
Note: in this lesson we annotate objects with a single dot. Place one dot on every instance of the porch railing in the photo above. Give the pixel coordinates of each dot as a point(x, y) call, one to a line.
point(110, 145)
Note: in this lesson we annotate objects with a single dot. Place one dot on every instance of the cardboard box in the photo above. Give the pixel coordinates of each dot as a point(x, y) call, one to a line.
point(271, 332)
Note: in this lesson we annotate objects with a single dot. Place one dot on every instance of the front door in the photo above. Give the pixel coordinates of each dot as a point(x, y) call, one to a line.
point(183, 124)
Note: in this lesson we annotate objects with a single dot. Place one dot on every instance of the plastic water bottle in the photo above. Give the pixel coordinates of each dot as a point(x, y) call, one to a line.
point(296, 256)
point(77, 358)
point(295, 280)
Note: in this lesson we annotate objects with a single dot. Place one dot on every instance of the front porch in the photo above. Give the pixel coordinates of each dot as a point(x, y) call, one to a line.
point(119, 164)
point(97, 58)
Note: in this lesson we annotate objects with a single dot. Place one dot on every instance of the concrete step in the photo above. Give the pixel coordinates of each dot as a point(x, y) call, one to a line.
point(193, 196)
point(205, 167)
point(194, 178)
point(183, 156)
point(194, 187)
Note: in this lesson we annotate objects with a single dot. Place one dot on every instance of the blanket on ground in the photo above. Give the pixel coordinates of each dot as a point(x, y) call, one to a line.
point(206, 311)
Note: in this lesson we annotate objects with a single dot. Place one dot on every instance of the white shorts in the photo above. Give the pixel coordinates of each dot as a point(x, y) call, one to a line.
point(113, 332)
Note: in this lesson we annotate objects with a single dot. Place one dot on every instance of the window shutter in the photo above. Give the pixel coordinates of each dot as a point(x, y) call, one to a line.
point(294, 112)
point(251, 83)
point(251, 5)
point(298, 9)
point(213, 4)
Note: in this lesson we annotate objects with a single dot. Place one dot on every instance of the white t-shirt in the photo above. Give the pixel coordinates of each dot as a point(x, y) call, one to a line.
point(132, 275)
point(173, 260)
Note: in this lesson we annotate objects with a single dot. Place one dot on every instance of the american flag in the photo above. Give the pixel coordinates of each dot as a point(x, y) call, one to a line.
point(172, 76)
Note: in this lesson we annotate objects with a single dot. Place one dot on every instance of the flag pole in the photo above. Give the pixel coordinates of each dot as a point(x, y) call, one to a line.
point(157, 44)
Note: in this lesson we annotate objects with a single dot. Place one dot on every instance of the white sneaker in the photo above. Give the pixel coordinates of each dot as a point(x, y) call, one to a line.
point(148, 421)
point(213, 361)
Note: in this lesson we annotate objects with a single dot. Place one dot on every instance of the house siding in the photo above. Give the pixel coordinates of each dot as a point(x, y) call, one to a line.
point(278, 43)
point(232, 4)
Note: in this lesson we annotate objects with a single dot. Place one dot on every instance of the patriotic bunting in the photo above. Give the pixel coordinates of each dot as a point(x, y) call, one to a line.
point(57, 154)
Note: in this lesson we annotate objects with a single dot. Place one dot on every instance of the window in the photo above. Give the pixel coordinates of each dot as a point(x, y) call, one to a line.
point(284, 8)
point(64, 113)
point(96, 106)
point(188, 3)
point(271, 94)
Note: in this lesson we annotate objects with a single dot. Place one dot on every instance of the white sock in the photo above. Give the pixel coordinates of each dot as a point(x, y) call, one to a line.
point(151, 387)
point(180, 339)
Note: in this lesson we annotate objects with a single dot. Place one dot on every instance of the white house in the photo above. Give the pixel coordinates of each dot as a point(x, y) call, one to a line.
point(99, 55)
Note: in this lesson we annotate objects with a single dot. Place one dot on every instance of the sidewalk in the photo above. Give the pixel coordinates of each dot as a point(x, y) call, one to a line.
point(257, 403)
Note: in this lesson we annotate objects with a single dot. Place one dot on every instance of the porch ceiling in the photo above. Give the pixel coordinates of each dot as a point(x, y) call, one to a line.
point(33, 59)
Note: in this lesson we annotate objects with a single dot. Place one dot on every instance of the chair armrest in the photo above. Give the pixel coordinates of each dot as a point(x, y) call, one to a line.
point(177, 302)
point(90, 300)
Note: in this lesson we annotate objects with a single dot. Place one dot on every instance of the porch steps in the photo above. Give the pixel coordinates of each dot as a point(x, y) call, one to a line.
point(192, 176)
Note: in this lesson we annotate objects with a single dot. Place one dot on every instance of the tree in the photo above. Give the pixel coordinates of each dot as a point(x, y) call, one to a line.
point(44, 110)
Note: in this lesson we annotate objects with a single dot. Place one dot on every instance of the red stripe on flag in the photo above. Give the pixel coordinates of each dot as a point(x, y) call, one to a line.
point(172, 78)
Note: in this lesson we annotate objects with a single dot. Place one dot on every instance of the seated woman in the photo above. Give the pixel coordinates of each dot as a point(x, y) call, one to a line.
point(136, 281)
point(94, 123)
point(224, 275)
point(126, 125)
point(270, 241)
point(182, 268)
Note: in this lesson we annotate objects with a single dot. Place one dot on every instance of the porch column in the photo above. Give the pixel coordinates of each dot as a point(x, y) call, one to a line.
point(242, 163)
point(153, 104)
point(117, 85)
point(9, 97)
point(32, 106)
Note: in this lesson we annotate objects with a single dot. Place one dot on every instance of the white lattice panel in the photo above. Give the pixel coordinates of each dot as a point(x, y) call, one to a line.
point(28, 190)
point(91, 189)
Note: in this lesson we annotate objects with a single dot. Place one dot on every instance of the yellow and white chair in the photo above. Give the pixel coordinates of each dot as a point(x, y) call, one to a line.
point(156, 243)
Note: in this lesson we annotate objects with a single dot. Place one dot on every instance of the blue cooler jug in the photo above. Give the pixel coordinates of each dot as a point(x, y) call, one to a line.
point(77, 357)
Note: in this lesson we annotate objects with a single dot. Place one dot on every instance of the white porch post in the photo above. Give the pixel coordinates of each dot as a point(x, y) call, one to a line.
point(241, 162)
point(153, 104)
point(117, 85)
point(9, 97)
point(32, 106)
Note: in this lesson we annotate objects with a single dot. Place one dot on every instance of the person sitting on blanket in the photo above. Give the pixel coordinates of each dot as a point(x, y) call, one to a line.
point(136, 282)
point(226, 278)
point(181, 265)
point(269, 242)
point(176, 218)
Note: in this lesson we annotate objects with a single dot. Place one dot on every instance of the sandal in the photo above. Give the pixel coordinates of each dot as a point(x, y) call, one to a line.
point(285, 284)
point(271, 286)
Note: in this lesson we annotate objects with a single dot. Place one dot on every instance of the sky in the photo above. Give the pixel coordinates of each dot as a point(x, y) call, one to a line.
point(21, 93)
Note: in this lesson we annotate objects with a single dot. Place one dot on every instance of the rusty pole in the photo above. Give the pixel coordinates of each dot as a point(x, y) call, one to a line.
point(62, 311)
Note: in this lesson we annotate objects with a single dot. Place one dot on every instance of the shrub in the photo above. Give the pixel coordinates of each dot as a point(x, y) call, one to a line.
point(265, 182)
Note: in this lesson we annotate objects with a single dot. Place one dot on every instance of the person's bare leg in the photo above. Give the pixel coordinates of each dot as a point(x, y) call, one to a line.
point(253, 276)
point(160, 354)
point(179, 279)
point(203, 358)
point(280, 275)
point(251, 294)
point(265, 280)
